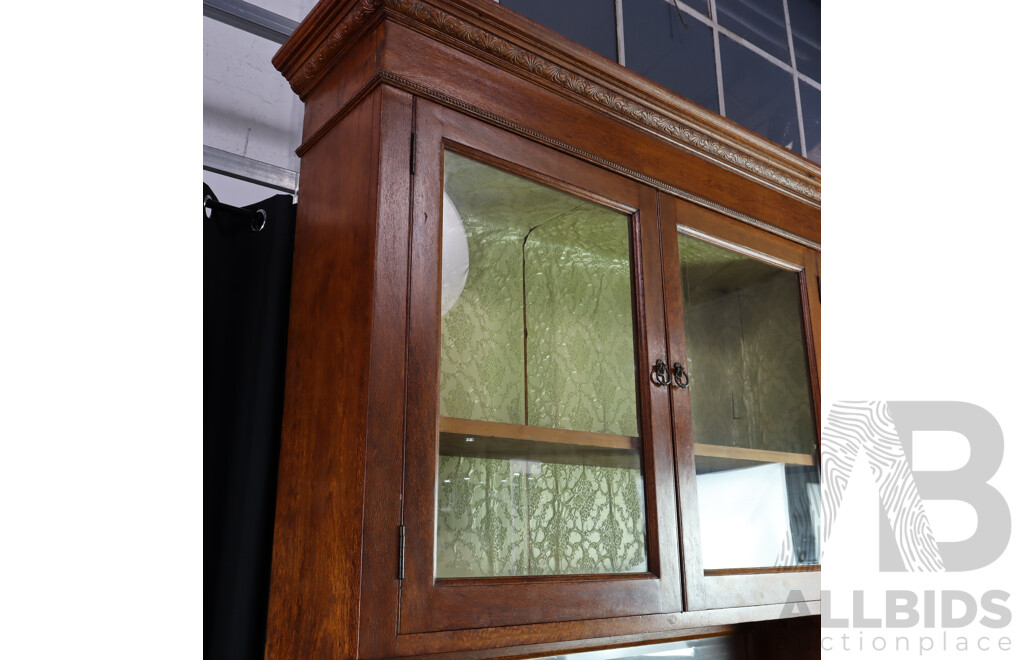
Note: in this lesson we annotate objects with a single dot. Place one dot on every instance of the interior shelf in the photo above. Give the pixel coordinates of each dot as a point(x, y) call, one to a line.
point(471, 427)
point(500, 440)
point(752, 455)
point(537, 443)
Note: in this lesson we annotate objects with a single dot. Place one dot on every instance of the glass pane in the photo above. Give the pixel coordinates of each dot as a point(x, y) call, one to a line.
point(671, 49)
point(754, 428)
point(761, 22)
point(703, 6)
point(805, 21)
point(587, 22)
point(539, 469)
point(810, 99)
point(759, 94)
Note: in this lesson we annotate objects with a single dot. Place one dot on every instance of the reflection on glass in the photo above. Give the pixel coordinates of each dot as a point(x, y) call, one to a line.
point(587, 22)
point(754, 428)
point(810, 100)
point(672, 49)
point(805, 20)
point(759, 95)
point(539, 469)
point(703, 6)
point(761, 22)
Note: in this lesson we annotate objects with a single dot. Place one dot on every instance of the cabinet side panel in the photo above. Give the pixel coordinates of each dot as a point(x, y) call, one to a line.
point(314, 599)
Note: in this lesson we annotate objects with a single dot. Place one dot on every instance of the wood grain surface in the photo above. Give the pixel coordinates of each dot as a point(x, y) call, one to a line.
point(362, 430)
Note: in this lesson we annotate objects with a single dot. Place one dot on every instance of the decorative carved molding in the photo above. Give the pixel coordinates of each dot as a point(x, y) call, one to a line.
point(579, 85)
point(334, 43)
point(536, 65)
point(445, 99)
point(339, 114)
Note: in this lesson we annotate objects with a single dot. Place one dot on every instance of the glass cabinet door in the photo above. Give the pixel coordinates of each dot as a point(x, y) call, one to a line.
point(539, 469)
point(750, 432)
point(538, 451)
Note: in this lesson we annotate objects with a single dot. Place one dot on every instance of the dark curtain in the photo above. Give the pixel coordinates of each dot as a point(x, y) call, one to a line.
point(246, 287)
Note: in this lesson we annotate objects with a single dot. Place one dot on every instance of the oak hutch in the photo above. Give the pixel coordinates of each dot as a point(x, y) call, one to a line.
point(553, 356)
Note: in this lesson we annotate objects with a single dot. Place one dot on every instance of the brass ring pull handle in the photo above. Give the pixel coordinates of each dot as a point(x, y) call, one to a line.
point(660, 375)
point(680, 376)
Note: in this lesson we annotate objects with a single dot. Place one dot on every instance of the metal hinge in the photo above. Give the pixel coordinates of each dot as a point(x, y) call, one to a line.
point(412, 154)
point(401, 552)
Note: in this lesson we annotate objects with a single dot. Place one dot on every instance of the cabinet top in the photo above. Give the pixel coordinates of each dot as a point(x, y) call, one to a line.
point(489, 32)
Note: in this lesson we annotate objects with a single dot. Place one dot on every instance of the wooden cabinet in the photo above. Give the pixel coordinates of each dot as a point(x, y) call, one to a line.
point(523, 397)
point(540, 306)
point(741, 315)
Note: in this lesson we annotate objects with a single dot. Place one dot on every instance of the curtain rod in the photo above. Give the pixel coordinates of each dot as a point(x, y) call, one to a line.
point(247, 169)
point(257, 218)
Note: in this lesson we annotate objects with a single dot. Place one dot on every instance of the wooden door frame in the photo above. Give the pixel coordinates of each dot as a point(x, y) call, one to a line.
point(739, 587)
point(427, 605)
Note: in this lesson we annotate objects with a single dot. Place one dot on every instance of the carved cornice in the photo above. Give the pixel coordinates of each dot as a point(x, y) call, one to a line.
point(577, 84)
point(445, 99)
point(533, 64)
point(335, 43)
